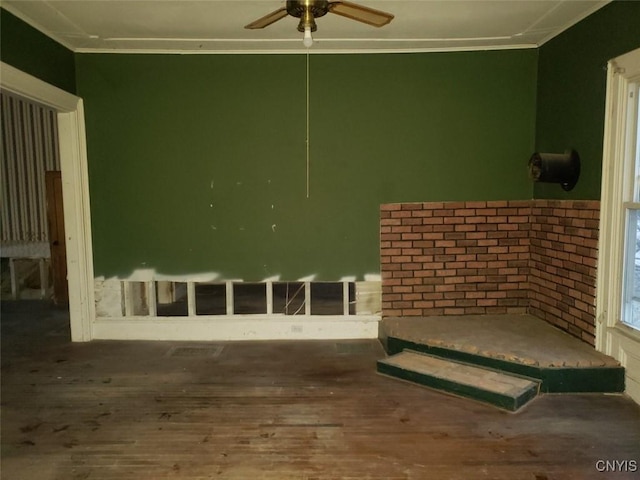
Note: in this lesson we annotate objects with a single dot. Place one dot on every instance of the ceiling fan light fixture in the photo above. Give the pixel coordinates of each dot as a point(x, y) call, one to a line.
point(307, 25)
point(307, 40)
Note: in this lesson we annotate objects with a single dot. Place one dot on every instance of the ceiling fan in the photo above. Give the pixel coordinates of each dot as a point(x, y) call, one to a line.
point(308, 10)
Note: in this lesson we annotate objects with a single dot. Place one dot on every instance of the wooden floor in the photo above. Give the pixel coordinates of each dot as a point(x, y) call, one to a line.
point(273, 410)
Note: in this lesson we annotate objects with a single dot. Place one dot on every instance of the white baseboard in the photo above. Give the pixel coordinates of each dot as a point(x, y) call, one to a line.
point(237, 327)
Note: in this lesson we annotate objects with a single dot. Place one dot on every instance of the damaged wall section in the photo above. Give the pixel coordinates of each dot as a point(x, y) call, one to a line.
point(117, 298)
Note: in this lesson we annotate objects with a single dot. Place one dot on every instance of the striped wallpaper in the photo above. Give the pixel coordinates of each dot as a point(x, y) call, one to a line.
point(29, 148)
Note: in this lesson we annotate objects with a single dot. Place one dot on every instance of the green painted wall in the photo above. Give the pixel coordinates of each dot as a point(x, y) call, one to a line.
point(29, 50)
point(571, 91)
point(197, 163)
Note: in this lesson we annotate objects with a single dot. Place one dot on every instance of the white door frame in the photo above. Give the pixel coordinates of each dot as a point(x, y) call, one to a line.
point(612, 336)
point(75, 191)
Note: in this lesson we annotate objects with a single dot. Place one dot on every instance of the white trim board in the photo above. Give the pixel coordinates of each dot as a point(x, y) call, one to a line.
point(237, 327)
point(299, 51)
point(75, 185)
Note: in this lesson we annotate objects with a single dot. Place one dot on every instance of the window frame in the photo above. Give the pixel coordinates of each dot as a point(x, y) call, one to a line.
point(618, 195)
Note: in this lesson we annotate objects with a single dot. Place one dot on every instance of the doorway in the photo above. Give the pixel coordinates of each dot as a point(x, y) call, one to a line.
point(75, 191)
point(57, 243)
point(29, 151)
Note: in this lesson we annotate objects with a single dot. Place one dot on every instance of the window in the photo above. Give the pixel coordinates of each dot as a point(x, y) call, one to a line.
point(631, 289)
point(618, 276)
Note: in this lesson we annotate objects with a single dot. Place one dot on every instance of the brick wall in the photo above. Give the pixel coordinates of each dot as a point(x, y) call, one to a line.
point(496, 257)
point(564, 252)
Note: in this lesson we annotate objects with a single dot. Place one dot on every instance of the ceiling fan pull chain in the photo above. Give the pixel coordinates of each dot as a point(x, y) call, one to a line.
point(308, 127)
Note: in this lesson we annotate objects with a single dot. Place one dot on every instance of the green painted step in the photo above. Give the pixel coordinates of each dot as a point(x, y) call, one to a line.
point(554, 379)
point(500, 389)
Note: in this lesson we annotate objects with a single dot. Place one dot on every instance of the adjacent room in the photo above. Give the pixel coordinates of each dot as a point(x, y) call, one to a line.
point(314, 239)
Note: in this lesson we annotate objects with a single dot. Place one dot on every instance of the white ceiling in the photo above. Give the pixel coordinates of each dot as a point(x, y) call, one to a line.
point(218, 25)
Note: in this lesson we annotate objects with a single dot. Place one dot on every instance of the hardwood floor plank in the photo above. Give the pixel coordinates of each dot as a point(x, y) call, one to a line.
point(275, 411)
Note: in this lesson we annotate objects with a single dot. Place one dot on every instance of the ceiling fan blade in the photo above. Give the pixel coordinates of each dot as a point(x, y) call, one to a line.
point(370, 16)
point(268, 19)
